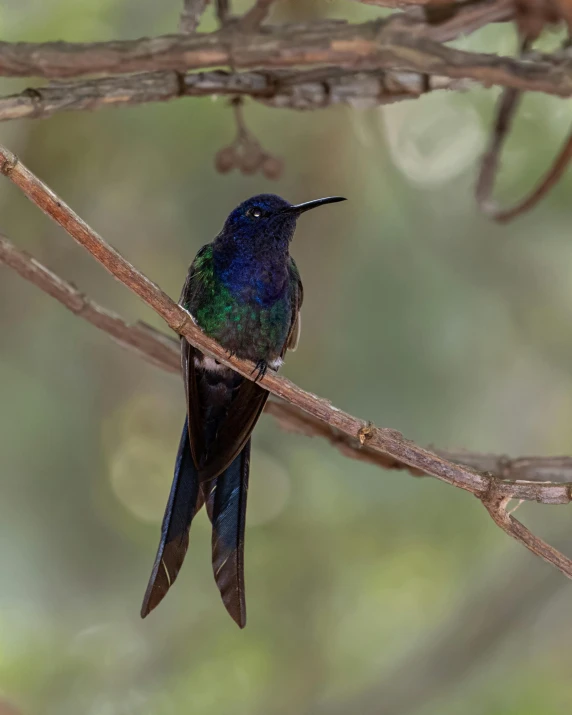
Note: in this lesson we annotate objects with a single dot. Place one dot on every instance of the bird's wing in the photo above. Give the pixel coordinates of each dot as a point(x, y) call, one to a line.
point(235, 429)
point(297, 298)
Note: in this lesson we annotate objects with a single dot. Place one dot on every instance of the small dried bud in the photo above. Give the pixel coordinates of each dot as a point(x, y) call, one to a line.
point(272, 167)
point(251, 159)
point(225, 159)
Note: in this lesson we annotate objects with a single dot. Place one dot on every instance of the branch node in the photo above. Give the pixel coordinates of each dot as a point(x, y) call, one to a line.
point(494, 501)
point(365, 433)
point(8, 162)
point(180, 326)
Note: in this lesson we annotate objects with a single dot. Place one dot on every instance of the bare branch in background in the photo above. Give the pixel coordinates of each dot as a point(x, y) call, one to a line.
point(252, 19)
point(191, 15)
point(287, 90)
point(507, 106)
point(490, 164)
point(398, 42)
point(351, 62)
point(385, 441)
point(222, 8)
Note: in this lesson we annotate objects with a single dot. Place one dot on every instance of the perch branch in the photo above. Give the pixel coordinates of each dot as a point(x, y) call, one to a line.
point(163, 351)
point(386, 441)
point(383, 440)
point(300, 90)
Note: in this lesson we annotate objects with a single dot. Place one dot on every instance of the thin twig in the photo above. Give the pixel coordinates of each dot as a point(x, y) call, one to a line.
point(163, 351)
point(508, 104)
point(252, 19)
point(222, 8)
point(506, 110)
point(191, 15)
point(548, 181)
point(495, 502)
point(383, 440)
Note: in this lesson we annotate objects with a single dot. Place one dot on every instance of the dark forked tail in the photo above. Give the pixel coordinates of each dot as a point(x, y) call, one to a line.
point(226, 505)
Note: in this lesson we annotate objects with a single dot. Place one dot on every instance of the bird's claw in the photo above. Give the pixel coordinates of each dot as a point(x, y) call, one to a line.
point(261, 367)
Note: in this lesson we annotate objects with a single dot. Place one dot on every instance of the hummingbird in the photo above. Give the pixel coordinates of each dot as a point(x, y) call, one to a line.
point(244, 291)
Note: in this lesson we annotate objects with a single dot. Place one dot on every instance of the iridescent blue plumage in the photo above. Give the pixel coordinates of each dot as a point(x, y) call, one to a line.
point(244, 290)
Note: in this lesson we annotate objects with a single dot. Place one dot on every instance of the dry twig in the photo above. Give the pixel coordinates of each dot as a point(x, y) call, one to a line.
point(222, 8)
point(252, 19)
point(163, 351)
point(490, 163)
point(387, 442)
point(191, 15)
point(531, 17)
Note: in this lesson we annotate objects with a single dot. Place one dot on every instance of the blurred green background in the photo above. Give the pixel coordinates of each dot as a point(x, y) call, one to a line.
point(368, 592)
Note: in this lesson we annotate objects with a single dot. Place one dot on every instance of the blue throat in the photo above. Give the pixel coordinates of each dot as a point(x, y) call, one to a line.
point(250, 278)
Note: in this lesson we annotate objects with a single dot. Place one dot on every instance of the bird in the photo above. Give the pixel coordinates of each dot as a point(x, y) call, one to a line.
point(243, 290)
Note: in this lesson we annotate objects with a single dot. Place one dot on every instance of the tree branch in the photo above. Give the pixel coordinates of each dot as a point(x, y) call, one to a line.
point(287, 90)
point(163, 351)
point(398, 42)
point(387, 442)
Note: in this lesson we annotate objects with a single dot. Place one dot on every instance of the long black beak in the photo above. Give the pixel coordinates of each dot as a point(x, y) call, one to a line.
point(300, 208)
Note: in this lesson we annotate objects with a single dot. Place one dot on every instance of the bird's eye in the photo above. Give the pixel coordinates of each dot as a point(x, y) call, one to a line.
point(254, 213)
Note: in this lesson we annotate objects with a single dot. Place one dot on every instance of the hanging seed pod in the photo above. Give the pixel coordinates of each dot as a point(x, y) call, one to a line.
point(251, 159)
point(272, 167)
point(225, 159)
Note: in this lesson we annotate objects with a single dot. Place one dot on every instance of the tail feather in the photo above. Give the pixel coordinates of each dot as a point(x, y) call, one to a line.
point(185, 500)
point(228, 506)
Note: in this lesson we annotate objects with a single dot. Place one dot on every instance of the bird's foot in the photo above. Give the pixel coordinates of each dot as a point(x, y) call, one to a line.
point(261, 367)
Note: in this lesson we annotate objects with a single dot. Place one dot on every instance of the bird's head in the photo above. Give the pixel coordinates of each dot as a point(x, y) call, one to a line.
point(266, 221)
